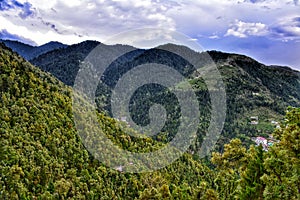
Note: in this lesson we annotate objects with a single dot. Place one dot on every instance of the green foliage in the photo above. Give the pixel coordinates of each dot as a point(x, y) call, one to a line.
point(255, 174)
point(282, 163)
point(252, 88)
point(251, 186)
point(42, 157)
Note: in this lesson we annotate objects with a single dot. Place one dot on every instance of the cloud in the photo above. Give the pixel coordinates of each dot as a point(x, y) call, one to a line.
point(24, 10)
point(244, 29)
point(102, 18)
point(38, 34)
point(287, 28)
point(211, 22)
point(4, 5)
point(5, 35)
point(97, 19)
point(214, 37)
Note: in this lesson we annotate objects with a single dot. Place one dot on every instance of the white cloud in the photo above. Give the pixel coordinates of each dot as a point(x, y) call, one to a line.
point(43, 4)
point(208, 17)
point(90, 19)
point(244, 29)
point(207, 21)
point(102, 18)
point(214, 37)
point(40, 37)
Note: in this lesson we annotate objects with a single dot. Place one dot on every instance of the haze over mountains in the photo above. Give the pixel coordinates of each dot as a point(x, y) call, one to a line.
point(29, 52)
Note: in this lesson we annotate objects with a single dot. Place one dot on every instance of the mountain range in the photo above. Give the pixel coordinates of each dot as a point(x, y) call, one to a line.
point(29, 52)
point(253, 89)
point(43, 157)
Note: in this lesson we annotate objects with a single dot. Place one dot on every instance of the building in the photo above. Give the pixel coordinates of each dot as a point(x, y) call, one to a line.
point(263, 142)
point(123, 119)
point(254, 120)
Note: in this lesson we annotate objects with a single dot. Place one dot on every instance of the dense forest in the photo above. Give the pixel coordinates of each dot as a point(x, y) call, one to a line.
point(252, 89)
point(42, 156)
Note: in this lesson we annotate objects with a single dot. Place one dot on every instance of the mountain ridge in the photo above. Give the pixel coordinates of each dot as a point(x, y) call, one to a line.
point(43, 157)
point(61, 45)
point(252, 88)
point(29, 51)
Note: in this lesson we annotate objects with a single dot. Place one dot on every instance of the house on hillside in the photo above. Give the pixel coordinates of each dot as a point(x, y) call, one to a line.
point(263, 142)
point(254, 120)
point(123, 119)
point(275, 123)
point(119, 168)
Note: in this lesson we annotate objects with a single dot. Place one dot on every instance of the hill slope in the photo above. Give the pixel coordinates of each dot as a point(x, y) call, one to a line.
point(64, 63)
point(253, 89)
point(41, 155)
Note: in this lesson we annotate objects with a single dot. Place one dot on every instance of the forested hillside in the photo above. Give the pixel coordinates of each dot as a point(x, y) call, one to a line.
point(42, 157)
point(253, 89)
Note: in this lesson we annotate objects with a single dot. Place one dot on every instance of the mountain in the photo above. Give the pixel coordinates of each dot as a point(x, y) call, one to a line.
point(64, 63)
point(43, 157)
point(253, 90)
point(29, 52)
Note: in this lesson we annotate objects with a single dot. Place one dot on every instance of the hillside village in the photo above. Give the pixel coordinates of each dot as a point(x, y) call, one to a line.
point(259, 140)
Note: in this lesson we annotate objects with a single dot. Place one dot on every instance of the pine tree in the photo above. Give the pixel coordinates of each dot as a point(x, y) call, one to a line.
point(282, 164)
point(250, 184)
point(228, 166)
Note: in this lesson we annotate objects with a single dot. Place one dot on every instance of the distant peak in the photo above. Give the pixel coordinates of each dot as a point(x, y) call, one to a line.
point(173, 46)
point(52, 42)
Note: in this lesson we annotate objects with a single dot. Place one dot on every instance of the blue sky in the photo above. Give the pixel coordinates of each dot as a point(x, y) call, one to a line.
point(267, 30)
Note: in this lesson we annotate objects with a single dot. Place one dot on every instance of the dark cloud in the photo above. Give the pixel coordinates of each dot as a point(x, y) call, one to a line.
point(254, 1)
point(26, 9)
point(4, 5)
point(296, 21)
point(287, 29)
point(17, 4)
point(282, 32)
point(51, 25)
point(5, 35)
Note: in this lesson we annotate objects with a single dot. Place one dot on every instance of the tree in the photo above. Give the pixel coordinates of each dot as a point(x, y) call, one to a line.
point(282, 164)
point(250, 185)
point(228, 166)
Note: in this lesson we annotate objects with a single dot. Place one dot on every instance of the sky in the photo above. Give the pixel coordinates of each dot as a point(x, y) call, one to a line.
point(267, 30)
